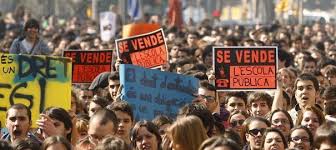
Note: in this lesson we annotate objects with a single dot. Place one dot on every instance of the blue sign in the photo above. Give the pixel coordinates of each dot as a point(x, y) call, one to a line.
point(152, 92)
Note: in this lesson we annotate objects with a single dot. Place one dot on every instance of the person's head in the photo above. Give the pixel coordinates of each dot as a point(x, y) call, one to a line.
point(235, 101)
point(325, 138)
point(301, 138)
point(329, 97)
point(192, 38)
point(237, 119)
point(113, 84)
point(163, 123)
point(200, 111)
point(308, 65)
point(219, 143)
point(5, 145)
point(330, 74)
point(25, 144)
point(254, 128)
point(97, 103)
point(281, 120)
point(85, 95)
point(207, 92)
point(274, 139)
point(82, 127)
point(311, 117)
point(56, 143)
point(259, 103)
point(85, 144)
point(124, 113)
point(187, 133)
point(103, 123)
point(113, 143)
point(145, 135)
point(61, 120)
point(18, 121)
point(31, 28)
point(306, 89)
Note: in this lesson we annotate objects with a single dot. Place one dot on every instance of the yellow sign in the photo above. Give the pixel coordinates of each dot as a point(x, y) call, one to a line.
point(38, 82)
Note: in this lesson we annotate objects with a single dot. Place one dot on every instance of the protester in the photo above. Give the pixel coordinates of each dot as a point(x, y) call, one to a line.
point(56, 142)
point(301, 138)
point(30, 42)
point(145, 135)
point(274, 139)
point(18, 123)
point(187, 133)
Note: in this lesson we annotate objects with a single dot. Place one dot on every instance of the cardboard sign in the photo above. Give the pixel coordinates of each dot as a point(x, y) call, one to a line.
point(88, 64)
point(107, 25)
point(147, 50)
point(152, 92)
point(36, 81)
point(245, 68)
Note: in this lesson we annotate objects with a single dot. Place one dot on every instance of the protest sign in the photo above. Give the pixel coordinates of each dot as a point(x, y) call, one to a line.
point(134, 29)
point(107, 25)
point(147, 50)
point(36, 81)
point(245, 68)
point(152, 92)
point(86, 65)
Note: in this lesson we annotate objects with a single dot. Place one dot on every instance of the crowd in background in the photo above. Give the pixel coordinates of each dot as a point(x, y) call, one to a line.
point(301, 114)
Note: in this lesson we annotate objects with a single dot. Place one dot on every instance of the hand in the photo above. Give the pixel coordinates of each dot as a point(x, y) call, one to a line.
point(166, 143)
point(46, 124)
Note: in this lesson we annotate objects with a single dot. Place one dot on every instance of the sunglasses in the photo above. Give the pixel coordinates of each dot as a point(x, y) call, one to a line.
point(298, 138)
point(236, 123)
point(255, 132)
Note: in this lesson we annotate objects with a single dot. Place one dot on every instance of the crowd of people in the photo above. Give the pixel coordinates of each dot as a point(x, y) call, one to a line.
point(300, 114)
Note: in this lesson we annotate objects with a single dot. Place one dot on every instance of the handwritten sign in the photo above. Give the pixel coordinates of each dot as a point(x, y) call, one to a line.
point(146, 50)
point(245, 68)
point(152, 92)
point(107, 25)
point(88, 64)
point(36, 81)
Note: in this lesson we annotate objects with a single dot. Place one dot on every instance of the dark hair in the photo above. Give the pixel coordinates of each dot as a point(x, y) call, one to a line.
point(219, 141)
point(162, 120)
point(61, 115)
point(311, 137)
point(20, 106)
point(238, 94)
point(200, 111)
point(256, 96)
point(122, 106)
point(102, 102)
point(309, 77)
point(231, 134)
point(151, 127)
point(105, 116)
point(113, 143)
point(4, 145)
point(207, 85)
point(114, 76)
point(32, 23)
point(325, 133)
point(286, 114)
point(25, 144)
point(329, 95)
point(268, 130)
point(54, 140)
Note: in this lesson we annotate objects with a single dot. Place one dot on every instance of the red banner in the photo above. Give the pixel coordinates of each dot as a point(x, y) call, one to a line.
point(86, 65)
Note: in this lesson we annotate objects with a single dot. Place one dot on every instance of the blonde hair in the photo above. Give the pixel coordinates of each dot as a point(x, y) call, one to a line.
point(187, 132)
